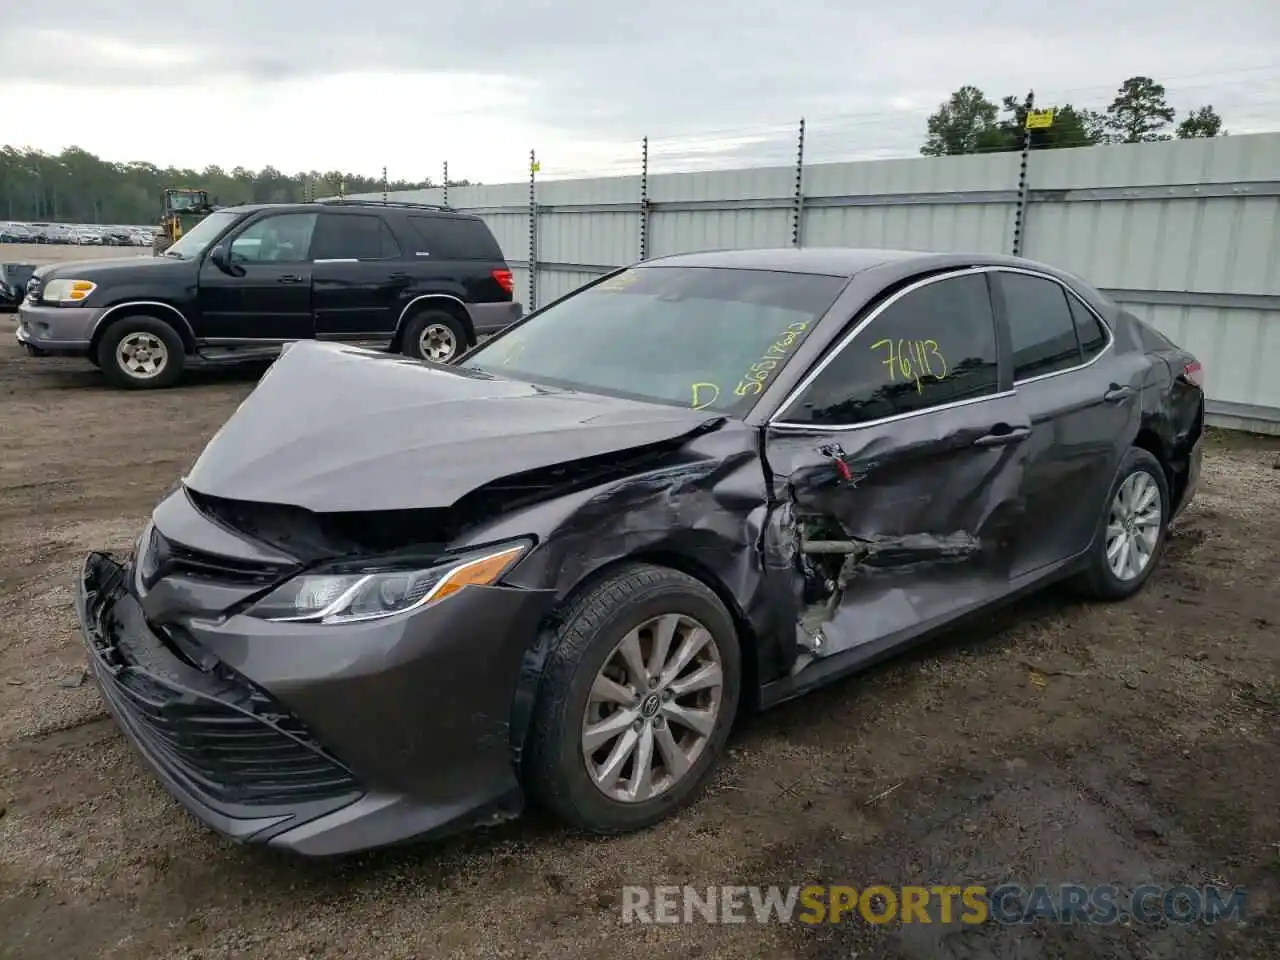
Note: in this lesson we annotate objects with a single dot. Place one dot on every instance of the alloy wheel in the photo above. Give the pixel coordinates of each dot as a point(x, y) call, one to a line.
point(652, 709)
point(142, 355)
point(1133, 525)
point(438, 342)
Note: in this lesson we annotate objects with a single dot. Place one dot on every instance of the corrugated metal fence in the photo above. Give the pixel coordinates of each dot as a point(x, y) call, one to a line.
point(1184, 233)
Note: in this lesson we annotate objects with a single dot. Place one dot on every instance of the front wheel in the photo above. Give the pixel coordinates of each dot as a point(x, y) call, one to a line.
point(141, 353)
point(636, 702)
point(1132, 531)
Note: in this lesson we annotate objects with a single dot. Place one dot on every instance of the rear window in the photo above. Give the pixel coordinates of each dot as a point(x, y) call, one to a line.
point(455, 238)
point(700, 337)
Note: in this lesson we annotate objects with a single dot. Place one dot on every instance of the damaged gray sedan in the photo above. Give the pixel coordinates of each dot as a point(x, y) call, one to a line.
point(393, 599)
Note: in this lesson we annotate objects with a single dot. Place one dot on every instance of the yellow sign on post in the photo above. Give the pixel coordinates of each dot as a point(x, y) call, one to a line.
point(535, 167)
point(1039, 119)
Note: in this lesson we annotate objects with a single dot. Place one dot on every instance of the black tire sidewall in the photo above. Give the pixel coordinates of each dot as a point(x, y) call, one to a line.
point(1103, 581)
point(119, 329)
point(410, 344)
point(564, 784)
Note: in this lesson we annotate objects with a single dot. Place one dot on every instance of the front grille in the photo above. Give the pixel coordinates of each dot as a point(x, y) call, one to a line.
point(224, 754)
point(208, 566)
point(163, 557)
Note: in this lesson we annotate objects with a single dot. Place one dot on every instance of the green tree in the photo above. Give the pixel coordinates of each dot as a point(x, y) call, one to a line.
point(1070, 128)
point(966, 123)
point(1201, 122)
point(76, 186)
point(1140, 112)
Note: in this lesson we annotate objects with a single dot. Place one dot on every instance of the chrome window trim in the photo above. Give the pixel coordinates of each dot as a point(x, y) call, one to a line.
point(1111, 337)
point(798, 390)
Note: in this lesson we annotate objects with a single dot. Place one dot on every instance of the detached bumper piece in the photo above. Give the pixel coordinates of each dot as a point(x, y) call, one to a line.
point(224, 748)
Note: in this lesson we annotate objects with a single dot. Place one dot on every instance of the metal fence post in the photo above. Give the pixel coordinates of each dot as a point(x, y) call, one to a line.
point(446, 183)
point(1020, 213)
point(644, 199)
point(533, 231)
point(797, 203)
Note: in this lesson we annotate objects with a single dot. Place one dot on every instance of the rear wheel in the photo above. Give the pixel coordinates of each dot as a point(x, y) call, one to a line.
point(636, 701)
point(434, 335)
point(141, 353)
point(1133, 529)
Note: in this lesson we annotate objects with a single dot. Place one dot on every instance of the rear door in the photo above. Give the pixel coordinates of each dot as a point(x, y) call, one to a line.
point(1083, 402)
point(357, 282)
point(267, 296)
point(463, 253)
point(906, 446)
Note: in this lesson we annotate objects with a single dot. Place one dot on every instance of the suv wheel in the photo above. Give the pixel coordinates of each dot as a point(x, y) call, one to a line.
point(434, 335)
point(141, 353)
point(636, 701)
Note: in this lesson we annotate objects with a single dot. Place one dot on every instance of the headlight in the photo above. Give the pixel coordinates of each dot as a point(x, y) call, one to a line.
point(349, 597)
point(67, 291)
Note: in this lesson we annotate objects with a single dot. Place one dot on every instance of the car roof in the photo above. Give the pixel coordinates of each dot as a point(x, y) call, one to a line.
point(844, 262)
point(351, 206)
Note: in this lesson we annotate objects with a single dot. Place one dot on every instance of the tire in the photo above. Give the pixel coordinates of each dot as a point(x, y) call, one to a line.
point(1100, 581)
point(439, 324)
point(155, 338)
point(555, 768)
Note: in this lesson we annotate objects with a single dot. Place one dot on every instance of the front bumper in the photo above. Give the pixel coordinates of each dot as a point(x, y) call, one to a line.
point(318, 740)
point(62, 331)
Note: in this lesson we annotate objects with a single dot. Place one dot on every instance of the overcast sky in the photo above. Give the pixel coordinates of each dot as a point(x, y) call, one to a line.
point(324, 84)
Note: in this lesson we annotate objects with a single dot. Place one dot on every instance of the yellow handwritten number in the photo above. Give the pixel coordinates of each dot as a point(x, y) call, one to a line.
point(932, 347)
point(700, 390)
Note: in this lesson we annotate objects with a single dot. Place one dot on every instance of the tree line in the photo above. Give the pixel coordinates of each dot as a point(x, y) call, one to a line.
point(969, 122)
point(76, 186)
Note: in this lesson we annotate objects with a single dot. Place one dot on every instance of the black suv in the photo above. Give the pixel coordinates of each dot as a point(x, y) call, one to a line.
point(423, 280)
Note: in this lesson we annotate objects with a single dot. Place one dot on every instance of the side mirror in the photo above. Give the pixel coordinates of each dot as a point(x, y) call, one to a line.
point(219, 257)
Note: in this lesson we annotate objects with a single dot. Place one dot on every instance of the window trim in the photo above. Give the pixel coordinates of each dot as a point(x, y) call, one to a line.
point(798, 390)
point(776, 421)
point(1111, 337)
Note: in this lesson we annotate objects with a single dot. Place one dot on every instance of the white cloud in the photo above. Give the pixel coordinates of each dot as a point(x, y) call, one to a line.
point(325, 85)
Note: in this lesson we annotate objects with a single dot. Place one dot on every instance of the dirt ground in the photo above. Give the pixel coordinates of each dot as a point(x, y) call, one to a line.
point(1128, 743)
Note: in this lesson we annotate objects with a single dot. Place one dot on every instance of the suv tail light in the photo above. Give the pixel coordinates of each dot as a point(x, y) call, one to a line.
point(1194, 373)
point(504, 278)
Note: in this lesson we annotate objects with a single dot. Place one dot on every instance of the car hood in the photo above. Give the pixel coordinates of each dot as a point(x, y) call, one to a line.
point(112, 270)
point(332, 428)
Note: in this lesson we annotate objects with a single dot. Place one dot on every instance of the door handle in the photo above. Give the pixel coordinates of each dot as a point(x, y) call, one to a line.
point(289, 278)
point(1001, 434)
point(1118, 393)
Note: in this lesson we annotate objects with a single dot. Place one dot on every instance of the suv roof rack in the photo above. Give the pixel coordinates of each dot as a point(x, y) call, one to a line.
point(351, 201)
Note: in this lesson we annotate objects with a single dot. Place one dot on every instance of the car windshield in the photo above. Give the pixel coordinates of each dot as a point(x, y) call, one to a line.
point(197, 239)
point(707, 338)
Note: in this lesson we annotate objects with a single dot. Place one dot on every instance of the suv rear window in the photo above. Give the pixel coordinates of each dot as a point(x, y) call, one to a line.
point(455, 238)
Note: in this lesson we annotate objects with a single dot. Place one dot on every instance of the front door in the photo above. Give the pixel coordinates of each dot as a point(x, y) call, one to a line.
point(267, 294)
point(901, 461)
point(1076, 412)
point(356, 288)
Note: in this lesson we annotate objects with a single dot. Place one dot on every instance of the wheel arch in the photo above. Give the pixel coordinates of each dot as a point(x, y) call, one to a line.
point(536, 657)
point(156, 309)
point(437, 301)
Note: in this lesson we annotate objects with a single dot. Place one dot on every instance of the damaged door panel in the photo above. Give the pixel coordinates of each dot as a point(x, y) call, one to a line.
point(903, 478)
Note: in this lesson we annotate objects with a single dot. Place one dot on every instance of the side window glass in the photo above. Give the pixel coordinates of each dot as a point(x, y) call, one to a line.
point(388, 248)
point(353, 236)
point(936, 345)
point(283, 238)
point(1088, 328)
point(455, 238)
point(1041, 329)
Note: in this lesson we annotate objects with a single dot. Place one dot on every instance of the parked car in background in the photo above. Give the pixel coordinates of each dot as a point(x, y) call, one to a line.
point(559, 567)
point(16, 233)
point(13, 283)
point(421, 280)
